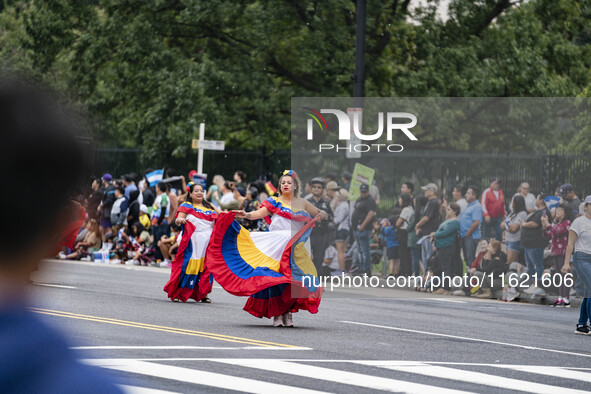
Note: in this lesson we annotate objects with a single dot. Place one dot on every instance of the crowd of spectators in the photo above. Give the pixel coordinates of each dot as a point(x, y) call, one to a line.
point(425, 235)
point(130, 221)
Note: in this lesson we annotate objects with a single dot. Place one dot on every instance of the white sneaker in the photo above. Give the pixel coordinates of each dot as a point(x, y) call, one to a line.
point(165, 264)
point(129, 262)
point(87, 258)
point(287, 320)
point(512, 294)
point(278, 321)
point(115, 261)
point(62, 255)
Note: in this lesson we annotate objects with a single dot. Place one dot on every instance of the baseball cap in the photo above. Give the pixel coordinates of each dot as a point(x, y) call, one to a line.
point(430, 186)
point(364, 187)
point(241, 190)
point(332, 185)
point(107, 177)
point(317, 180)
point(587, 200)
point(565, 189)
point(144, 208)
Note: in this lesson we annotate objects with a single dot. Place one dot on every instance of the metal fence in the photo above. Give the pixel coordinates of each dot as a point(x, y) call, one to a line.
point(544, 172)
point(120, 161)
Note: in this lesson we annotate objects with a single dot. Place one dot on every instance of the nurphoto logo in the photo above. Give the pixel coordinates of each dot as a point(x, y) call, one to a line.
point(350, 129)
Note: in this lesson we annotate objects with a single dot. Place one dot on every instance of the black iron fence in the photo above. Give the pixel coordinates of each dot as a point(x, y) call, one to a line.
point(544, 172)
point(120, 161)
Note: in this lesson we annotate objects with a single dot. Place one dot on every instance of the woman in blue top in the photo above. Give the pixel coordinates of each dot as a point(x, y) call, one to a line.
point(445, 243)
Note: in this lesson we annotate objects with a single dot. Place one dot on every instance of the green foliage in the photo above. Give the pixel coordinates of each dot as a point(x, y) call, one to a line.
point(149, 71)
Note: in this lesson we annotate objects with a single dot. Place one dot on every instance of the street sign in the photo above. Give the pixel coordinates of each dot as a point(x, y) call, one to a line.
point(208, 144)
point(201, 144)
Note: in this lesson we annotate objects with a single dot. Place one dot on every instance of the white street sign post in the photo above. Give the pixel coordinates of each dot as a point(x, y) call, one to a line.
point(202, 144)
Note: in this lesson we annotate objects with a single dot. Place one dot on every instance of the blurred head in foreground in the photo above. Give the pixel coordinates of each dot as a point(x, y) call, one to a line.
point(42, 164)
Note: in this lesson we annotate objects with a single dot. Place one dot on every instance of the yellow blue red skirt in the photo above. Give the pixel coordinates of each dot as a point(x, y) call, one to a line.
point(272, 268)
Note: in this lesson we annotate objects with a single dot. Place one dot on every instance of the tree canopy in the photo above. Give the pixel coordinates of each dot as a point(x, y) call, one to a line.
point(149, 71)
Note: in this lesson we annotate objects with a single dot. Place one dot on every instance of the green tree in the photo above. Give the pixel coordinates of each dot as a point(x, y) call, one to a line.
point(149, 71)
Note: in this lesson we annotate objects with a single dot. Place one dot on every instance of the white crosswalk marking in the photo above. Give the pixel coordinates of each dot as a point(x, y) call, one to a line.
point(550, 371)
point(187, 375)
point(468, 376)
point(561, 372)
point(340, 371)
point(337, 376)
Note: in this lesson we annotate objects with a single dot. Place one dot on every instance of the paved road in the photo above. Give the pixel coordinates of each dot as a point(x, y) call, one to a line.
point(361, 341)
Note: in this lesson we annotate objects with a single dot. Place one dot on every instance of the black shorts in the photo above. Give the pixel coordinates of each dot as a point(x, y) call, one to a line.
point(342, 235)
point(393, 252)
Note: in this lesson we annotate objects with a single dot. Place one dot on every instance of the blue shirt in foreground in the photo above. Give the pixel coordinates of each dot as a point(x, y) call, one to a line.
point(37, 359)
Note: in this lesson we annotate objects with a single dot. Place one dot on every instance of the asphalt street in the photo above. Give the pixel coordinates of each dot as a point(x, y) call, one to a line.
point(119, 318)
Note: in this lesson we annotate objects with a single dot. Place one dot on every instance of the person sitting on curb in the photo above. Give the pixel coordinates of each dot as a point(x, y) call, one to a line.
point(493, 262)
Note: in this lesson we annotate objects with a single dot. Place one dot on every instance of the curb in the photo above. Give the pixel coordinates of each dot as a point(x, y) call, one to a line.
point(546, 299)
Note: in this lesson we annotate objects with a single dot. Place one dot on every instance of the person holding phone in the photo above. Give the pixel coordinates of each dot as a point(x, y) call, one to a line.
point(512, 227)
point(557, 232)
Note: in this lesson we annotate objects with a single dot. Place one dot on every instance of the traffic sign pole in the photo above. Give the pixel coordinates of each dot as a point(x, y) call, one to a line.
point(200, 154)
point(201, 144)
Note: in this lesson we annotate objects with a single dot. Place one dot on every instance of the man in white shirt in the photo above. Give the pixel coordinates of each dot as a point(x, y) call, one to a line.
point(458, 196)
point(530, 199)
point(227, 192)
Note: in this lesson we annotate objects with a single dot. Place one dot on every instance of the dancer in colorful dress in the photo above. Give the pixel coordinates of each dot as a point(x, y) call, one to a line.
point(189, 277)
point(273, 268)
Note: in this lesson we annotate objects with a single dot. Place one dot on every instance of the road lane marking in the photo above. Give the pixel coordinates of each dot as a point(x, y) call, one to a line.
point(467, 338)
point(336, 376)
point(443, 300)
point(52, 285)
point(185, 348)
point(220, 337)
point(188, 375)
point(469, 376)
